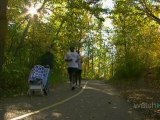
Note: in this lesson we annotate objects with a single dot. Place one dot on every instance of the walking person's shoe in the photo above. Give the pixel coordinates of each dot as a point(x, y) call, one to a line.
point(79, 86)
point(73, 86)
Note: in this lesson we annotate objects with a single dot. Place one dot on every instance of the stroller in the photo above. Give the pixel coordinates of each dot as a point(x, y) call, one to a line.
point(38, 79)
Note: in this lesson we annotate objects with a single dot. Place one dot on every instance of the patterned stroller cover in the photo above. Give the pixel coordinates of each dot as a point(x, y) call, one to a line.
point(39, 72)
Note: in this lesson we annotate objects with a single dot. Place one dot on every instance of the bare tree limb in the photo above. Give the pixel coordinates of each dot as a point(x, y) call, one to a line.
point(148, 12)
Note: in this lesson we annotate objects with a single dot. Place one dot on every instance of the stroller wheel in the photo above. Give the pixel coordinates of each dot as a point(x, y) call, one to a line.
point(45, 91)
point(29, 93)
point(33, 92)
point(73, 87)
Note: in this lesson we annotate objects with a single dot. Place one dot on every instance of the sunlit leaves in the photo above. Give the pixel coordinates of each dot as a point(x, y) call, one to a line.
point(135, 37)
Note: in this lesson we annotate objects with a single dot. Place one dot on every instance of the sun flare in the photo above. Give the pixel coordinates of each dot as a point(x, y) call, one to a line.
point(32, 11)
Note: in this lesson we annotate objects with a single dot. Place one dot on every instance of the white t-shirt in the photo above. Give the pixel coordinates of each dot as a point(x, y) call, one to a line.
point(75, 57)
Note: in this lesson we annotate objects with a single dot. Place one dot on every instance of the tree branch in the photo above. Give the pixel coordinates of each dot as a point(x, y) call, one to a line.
point(148, 12)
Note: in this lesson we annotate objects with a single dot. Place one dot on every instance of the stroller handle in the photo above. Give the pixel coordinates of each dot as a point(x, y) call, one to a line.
point(47, 66)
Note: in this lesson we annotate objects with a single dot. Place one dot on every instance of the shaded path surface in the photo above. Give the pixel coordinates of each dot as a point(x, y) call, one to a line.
point(96, 101)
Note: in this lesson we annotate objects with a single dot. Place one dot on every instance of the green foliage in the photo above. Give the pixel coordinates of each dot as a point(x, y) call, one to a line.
point(135, 40)
point(131, 47)
point(130, 68)
point(59, 24)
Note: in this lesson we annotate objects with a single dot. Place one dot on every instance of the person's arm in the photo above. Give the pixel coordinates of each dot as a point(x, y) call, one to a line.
point(81, 60)
point(67, 58)
point(78, 58)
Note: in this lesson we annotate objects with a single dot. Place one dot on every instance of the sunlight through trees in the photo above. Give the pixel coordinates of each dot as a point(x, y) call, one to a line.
point(125, 49)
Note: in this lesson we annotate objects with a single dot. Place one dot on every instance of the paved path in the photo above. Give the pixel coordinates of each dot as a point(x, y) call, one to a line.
point(95, 101)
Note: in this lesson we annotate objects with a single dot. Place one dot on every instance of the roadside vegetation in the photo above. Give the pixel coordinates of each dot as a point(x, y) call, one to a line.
point(126, 53)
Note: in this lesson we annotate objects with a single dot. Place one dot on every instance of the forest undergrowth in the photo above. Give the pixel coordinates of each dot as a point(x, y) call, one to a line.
point(143, 94)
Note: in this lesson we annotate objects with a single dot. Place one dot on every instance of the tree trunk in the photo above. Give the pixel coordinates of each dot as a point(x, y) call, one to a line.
point(3, 30)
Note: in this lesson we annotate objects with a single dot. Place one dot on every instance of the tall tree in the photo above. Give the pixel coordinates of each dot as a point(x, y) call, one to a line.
point(3, 30)
point(135, 38)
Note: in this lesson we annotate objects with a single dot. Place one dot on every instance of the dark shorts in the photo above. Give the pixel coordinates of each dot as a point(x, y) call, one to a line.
point(72, 70)
point(79, 71)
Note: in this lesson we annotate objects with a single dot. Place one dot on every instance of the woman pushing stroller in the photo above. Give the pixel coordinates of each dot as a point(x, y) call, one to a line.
point(47, 60)
point(40, 74)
